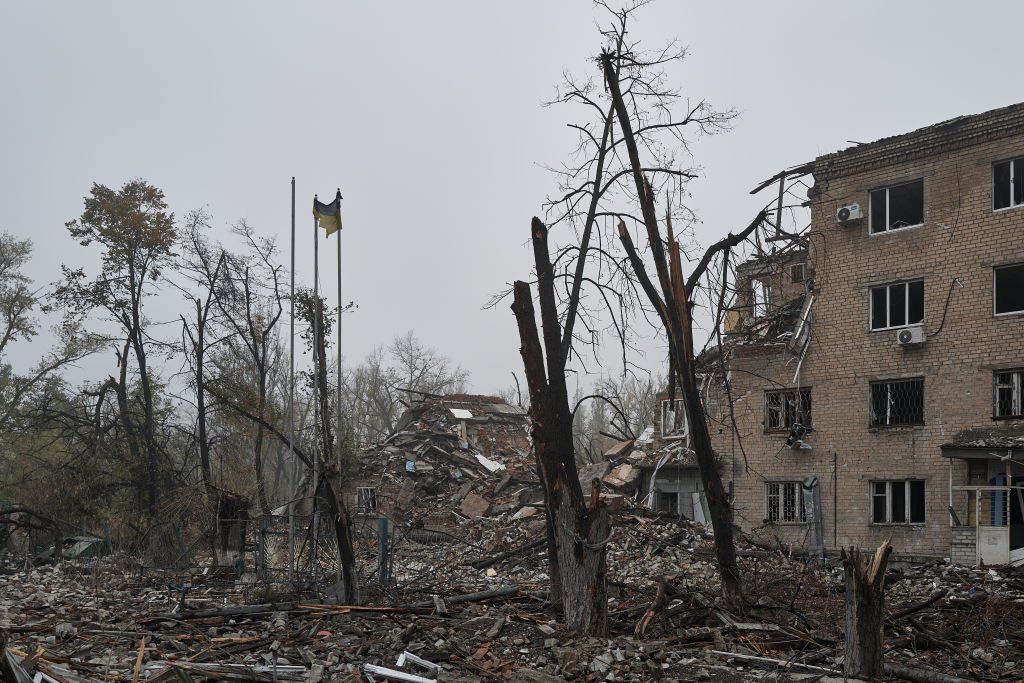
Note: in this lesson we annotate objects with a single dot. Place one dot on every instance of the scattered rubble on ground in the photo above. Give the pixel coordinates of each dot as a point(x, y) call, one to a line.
point(474, 610)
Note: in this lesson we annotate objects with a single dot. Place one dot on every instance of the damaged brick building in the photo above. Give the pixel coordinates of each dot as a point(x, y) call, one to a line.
point(876, 365)
point(458, 455)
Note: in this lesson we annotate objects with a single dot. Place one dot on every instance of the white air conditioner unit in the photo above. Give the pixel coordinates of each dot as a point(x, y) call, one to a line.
point(849, 213)
point(910, 336)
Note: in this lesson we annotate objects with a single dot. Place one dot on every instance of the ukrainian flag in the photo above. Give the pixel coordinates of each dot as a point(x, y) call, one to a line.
point(328, 216)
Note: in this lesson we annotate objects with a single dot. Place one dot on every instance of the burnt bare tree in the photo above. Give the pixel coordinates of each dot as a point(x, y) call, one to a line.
point(204, 266)
point(633, 147)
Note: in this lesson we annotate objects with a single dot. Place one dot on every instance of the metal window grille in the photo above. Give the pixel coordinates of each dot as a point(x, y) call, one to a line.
point(1009, 398)
point(784, 501)
point(897, 502)
point(673, 418)
point(366, 499)
point(785, 407)
point(897, 402)
point(797, 272)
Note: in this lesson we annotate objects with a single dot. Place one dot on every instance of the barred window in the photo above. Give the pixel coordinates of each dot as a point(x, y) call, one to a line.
point(897, 502)
point(785, 407)
point(797, 272)
point(1008, 184)
point(366, 499)
point(897, 206)
point(673, 418)
point(897, 305)
point(1009, 394)
point(897, 402)
point(784, 501)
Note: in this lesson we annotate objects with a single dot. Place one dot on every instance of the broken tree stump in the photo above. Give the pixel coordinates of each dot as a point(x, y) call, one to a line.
point(865, 610)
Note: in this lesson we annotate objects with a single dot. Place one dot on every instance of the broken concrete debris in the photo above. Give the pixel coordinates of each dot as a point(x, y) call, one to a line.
point(106, 619)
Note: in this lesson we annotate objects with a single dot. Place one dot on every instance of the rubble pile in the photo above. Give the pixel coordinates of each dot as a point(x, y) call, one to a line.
point(475, 609)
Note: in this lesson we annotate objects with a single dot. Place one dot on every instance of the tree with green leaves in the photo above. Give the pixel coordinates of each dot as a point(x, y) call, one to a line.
point(136, 234)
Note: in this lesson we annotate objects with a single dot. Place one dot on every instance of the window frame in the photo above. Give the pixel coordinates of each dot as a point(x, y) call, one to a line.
point(906, 305)
point(798, 393)
point(368, 509)
point(892, 381)
point(760, 298)
point(799, 516)
point(907, 501)
point(1012, 162)
point(798, 267)
point(886, 189)
point(686, 424)
point(996, 269)
point(1016, 387)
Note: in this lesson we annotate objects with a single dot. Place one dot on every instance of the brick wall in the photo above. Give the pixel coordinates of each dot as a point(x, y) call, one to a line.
point(961, 238)
point(963, 545)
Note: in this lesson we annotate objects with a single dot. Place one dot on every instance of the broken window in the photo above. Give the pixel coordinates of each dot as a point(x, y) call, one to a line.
point(897, 402)
point(898, 206)
point(897, 502)
point(1009, 398)
point(666, 501)
point(897, 305)
point(797, 272)
point(760, 294)
point(785, 407)
point(1008, 184)
point(784, 501)
point(1009, 289)
point(366, 499)
point(673, 418)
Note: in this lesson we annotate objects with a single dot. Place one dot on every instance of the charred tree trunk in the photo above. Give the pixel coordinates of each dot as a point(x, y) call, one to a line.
point(336, 504)
point(865, 611)
point(578, 530)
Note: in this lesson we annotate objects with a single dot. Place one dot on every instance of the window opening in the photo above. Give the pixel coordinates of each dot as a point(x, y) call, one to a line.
point(897, 402)
point(1009, 289)
point(1008, 184)
point(785, 407)
point(1009, 393)
point(784, 502)
point(673, 418)
point(897, 502)
point(897, 207)
point(897, 305)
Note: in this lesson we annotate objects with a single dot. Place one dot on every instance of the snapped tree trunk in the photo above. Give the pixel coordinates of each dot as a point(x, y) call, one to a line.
point(578, 531)
point(673, 307)
point(865, 611)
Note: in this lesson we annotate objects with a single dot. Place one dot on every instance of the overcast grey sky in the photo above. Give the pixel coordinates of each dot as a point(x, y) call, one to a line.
point(428, 116)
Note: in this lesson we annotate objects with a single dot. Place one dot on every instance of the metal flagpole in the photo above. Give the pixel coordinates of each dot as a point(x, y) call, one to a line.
point(337, 409)
point(291, 405)
point(316, 384)
point(337, 428)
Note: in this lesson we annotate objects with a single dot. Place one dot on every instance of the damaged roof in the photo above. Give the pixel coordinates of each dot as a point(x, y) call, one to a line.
point(955, 133)
point(996, 437)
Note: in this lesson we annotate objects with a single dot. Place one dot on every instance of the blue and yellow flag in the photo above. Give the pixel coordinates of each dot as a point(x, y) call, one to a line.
point(328, 216)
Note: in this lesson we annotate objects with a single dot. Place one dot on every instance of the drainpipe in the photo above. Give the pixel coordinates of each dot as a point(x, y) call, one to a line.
point(835, 502)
